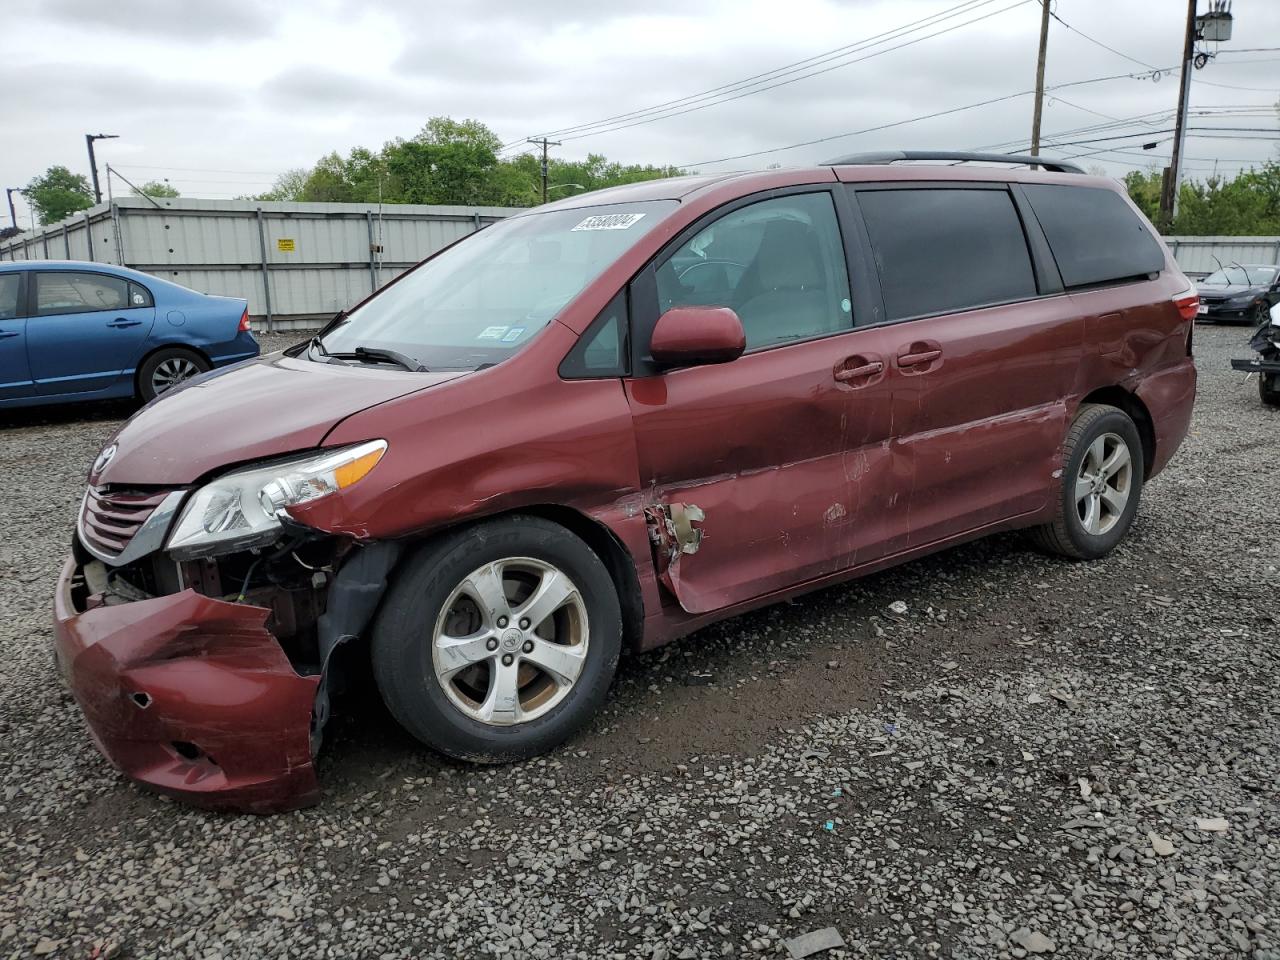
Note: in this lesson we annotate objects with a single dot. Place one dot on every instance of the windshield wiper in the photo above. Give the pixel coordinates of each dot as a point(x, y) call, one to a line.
point(378, 355)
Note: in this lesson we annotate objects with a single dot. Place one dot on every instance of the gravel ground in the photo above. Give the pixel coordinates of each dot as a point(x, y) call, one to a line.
point(1033, 757)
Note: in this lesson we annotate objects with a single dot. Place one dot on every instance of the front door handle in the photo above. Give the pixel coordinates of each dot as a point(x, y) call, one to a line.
point(846, 374)
point(857, 371)
point(6, 334)
point(120, 322)
point(918, 359)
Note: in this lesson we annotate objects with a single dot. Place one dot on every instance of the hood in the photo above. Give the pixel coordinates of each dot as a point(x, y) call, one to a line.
point(261, 408)
point(1228, 289)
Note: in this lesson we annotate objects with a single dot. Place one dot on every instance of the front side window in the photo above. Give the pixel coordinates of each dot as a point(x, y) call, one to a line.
point(481, 300)
point(779, 264)
point(945, 250)
point(9, 285)
point(64, 291)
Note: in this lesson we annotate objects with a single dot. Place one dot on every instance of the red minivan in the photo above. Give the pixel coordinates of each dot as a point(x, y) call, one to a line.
point(602, 424)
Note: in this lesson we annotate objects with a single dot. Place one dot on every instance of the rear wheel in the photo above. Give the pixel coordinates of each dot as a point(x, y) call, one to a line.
point(167, 368)
point(1101, 484)
point(1269, 388)
point(497, 643)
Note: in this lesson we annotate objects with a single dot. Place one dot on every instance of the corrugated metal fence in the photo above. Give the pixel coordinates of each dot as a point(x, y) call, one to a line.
point(1198, 256)
point(293, 262)
point(297, 262)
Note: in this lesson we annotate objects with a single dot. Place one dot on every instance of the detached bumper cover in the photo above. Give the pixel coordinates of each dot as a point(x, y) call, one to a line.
point(192, 697)
point(1256, 366)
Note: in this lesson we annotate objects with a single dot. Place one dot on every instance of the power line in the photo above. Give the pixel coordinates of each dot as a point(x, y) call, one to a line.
point(783, 70)
point(744, 92)
point(899, 123)
point(1125, 56)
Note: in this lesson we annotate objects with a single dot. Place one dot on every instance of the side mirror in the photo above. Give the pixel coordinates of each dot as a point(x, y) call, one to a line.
point(691, 336)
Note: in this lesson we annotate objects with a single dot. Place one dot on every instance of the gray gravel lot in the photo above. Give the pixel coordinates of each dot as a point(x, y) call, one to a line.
point(1036, 757)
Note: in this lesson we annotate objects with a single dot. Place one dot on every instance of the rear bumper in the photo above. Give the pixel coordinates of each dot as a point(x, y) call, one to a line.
point(192, 697)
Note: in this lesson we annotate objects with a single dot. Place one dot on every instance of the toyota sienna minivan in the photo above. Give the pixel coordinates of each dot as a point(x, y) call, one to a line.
point(600, 425)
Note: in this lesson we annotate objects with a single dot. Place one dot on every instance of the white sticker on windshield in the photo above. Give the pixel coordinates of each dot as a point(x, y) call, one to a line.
point(512, 335)
point(610, 221)
point(491, 333)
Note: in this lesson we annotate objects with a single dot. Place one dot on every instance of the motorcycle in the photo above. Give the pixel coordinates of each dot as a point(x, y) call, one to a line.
point(1266, 341)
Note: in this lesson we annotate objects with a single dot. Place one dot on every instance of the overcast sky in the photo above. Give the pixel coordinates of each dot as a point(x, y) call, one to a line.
point(220, 96)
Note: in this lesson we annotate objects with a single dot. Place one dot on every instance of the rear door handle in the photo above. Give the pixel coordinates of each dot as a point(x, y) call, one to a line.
point(6, 334)
point(918, 359)
point(119, 322)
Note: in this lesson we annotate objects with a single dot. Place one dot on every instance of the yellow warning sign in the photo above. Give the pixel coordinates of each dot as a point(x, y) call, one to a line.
point(285, 245)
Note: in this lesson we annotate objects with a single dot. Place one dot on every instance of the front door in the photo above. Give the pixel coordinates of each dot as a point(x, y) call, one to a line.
point(771, 470)
point(85, 333)
point(15, 372)
point(986, 353)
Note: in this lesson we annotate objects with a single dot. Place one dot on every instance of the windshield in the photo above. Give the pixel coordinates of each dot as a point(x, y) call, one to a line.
point(483, 299)
point(1241, 276)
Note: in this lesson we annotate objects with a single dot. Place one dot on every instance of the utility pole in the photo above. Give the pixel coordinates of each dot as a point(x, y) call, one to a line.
point(9, 192)
point(544, 143)
point(1039, 109)
point(93, 163)
point(1169, 195)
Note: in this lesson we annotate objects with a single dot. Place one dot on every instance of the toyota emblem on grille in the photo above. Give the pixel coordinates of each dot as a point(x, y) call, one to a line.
point(104, 458)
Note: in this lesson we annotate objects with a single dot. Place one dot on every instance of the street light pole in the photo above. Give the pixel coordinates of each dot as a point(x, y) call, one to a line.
point(93, 163)
point(1169, 198)
point(9, 192)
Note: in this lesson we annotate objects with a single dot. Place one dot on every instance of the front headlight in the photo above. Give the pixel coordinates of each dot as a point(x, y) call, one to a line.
point(242, 509)
point(1243, 300)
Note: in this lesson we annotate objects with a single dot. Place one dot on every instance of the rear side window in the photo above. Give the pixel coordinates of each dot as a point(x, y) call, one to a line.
point(140, 296)
point(1095, 236)
point(943, 250)
point(10, 283)
point(66, 292)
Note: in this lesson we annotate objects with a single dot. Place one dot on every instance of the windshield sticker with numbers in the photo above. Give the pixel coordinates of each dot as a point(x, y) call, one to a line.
point(609, 221)
point(491, 333)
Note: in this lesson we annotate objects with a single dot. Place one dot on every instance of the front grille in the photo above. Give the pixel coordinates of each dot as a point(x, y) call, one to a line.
point(112, 517)
point(1213, 301)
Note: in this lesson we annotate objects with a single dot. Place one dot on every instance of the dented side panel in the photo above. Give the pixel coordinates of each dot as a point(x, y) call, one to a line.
point(748, 470)
point(988, 418)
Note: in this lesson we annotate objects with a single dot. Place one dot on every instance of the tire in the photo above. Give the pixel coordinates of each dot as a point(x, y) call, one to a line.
point(1269, 389)
point(1097, 430)
point(444, 706)
point(166, 368)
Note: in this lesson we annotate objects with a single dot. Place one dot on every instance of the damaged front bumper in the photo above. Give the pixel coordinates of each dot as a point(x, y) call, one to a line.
point(190, 695)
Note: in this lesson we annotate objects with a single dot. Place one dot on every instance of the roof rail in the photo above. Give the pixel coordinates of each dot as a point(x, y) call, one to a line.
point(897, 156)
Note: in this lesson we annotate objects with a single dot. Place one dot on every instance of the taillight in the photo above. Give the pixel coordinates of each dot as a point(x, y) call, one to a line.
point(244, 322)
point(1187, 302)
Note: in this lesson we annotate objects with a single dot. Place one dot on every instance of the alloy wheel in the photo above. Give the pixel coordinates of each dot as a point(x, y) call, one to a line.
point(511, 641)
point(171, 372)
point(1104, 483)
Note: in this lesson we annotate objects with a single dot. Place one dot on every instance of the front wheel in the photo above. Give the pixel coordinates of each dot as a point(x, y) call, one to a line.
point(500, 641)
point(1101, 484)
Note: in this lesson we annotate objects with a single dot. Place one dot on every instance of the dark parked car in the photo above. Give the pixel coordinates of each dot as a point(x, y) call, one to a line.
point(72, 331)
point(1239, 293)
point(602, 424)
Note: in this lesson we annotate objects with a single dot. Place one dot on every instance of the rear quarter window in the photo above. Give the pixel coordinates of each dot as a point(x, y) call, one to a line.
point(1095, 235)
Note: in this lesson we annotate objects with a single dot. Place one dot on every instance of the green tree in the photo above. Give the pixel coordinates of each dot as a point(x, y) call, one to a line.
point(156, 189)
point(58, 194)
point(288, 186)
point(1245, 205)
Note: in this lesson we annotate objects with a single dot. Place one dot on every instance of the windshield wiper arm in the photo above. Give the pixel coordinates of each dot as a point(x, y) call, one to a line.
point(376, 354)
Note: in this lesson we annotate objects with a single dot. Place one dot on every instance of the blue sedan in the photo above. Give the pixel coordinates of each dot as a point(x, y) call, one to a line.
point(72, 331)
